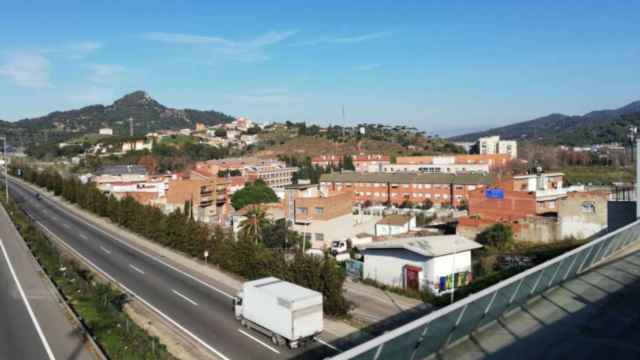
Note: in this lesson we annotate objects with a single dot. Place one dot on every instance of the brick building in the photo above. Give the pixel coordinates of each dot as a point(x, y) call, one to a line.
point(361, 162)
point(450, 164)
point(204, 197)
point(380, 188)
point(274, 173)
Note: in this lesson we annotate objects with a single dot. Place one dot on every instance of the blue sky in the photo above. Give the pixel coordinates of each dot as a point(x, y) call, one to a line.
point(443, 66)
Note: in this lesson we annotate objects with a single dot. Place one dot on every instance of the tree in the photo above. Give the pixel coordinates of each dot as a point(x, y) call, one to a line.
point(253, 193)
point(251, 227)
point(220, 132)
point(427, 204)
point(499, 236)
point(347, 163)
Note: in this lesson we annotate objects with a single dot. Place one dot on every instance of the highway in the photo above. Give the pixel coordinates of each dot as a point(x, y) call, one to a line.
point(202, 310)
point(33, 324)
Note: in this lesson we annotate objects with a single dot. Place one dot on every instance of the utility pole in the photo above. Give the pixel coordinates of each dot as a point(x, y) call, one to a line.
point(637, 178)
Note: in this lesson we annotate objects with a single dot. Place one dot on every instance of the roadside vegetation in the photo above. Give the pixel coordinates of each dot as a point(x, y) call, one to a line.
point(248, 256)
point(99, 306)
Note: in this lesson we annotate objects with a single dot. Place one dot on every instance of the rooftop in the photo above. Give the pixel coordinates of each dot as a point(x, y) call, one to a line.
point(394, 219)
point(408, 178)
point(117, 170)
point(430, 246)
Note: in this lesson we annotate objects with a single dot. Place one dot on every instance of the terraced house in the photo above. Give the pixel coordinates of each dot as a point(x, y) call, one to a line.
point(395, 188)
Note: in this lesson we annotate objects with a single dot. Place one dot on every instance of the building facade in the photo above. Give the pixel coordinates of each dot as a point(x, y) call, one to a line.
point(385, 188)
point(494, 145)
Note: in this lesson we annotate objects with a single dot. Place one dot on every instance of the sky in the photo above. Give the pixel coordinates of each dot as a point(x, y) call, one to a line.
point(446, 67)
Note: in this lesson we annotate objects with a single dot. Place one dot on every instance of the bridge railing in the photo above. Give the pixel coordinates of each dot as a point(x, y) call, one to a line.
point(425, 336)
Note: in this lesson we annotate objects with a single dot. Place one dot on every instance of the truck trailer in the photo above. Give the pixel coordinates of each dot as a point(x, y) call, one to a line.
point(288, 313)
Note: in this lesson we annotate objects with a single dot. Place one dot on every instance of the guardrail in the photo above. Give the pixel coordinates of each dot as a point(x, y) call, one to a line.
point(425, 336)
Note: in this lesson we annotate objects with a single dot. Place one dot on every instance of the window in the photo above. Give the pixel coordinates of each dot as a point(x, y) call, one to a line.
point(588, 207)
point(301, 210)
point(307, 236)
point(319, 210)
point(319, 237)
point(552, 204)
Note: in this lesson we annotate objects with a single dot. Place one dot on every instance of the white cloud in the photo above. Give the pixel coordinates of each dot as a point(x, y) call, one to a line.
point(354, 39)
point(27, 70)
point(367, 67)
point(101, 73)
point(74, 50)
point(248, 50)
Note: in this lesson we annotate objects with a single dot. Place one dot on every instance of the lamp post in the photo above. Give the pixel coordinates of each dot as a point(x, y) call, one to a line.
point(6, 166)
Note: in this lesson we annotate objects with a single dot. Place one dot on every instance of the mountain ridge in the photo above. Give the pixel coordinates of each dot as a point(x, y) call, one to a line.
point(598, 126)
point(147, 114)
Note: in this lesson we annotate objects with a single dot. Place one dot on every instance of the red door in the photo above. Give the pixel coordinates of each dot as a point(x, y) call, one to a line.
point(412, 277)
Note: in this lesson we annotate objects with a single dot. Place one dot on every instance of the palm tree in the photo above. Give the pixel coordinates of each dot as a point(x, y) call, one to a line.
point(252, 226)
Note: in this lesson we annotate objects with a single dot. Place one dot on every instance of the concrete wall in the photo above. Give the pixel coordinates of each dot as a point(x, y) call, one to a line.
point(339, 228)
point(445, 266)
point(386, 266)
point(583, 214)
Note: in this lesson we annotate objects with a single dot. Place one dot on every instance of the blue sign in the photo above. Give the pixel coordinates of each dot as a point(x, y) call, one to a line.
point(494, 194)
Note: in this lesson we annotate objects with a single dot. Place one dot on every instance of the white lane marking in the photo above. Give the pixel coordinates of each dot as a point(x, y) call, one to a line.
point(135, 295)
point(136, 269)
point(84, 236)
point(66, 225)
point(26, 303)
point(327, 344)
point(86, 222)
point(184, 297)
point(105, 250)
point(259, 341)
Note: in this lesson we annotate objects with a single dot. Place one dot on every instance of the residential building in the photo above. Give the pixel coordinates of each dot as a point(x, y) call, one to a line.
point(396, 188)
point(538, 208)
point(370, 162)
point(323, 217)
point(362, 162)
point(395, 224)
point(274, 173)
point(494, 145)
point(137, 145)
point(105, 131)
point(450, 164)
point(434, 263)
point(204, 196)
point(111, 174)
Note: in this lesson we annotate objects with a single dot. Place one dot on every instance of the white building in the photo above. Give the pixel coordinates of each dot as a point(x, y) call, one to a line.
point(395, 224)
point(493, 145)
point(420, 263)
point(106, 131)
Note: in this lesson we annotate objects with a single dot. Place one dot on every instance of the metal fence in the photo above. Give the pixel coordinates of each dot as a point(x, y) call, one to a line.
point(425, 336)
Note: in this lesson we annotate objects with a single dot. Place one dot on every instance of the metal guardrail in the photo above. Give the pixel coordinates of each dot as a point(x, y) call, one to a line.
point(425, 336)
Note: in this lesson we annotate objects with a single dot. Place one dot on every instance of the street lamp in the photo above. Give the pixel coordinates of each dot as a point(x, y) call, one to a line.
point(6, 166)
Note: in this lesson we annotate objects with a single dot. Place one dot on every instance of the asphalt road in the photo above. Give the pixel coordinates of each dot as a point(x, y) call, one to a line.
point(201, 310)
point(33, 325)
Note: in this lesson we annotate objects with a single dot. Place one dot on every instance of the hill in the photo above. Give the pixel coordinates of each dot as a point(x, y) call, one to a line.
point(148, 115)
point(596, 127)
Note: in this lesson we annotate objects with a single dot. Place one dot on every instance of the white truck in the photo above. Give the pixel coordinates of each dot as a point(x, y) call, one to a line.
point(286, 312)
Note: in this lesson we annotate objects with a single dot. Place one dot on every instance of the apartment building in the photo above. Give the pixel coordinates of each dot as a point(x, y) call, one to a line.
point(361, 162)
point(274, 173)
point(448, 164)
point(494, 145)
point(204, 197)
point(395, 188)
point(108, 176)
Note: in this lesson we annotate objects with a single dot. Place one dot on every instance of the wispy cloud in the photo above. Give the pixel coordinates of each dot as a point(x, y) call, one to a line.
point(367, 67)
point(102, 73)
point(30, 70)
point(248, 50)
point(275, 96)
point(74, 50)
point(353, 39)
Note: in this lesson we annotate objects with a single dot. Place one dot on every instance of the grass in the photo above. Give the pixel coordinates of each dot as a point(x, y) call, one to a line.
point(99, 306)
point(597, 175)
